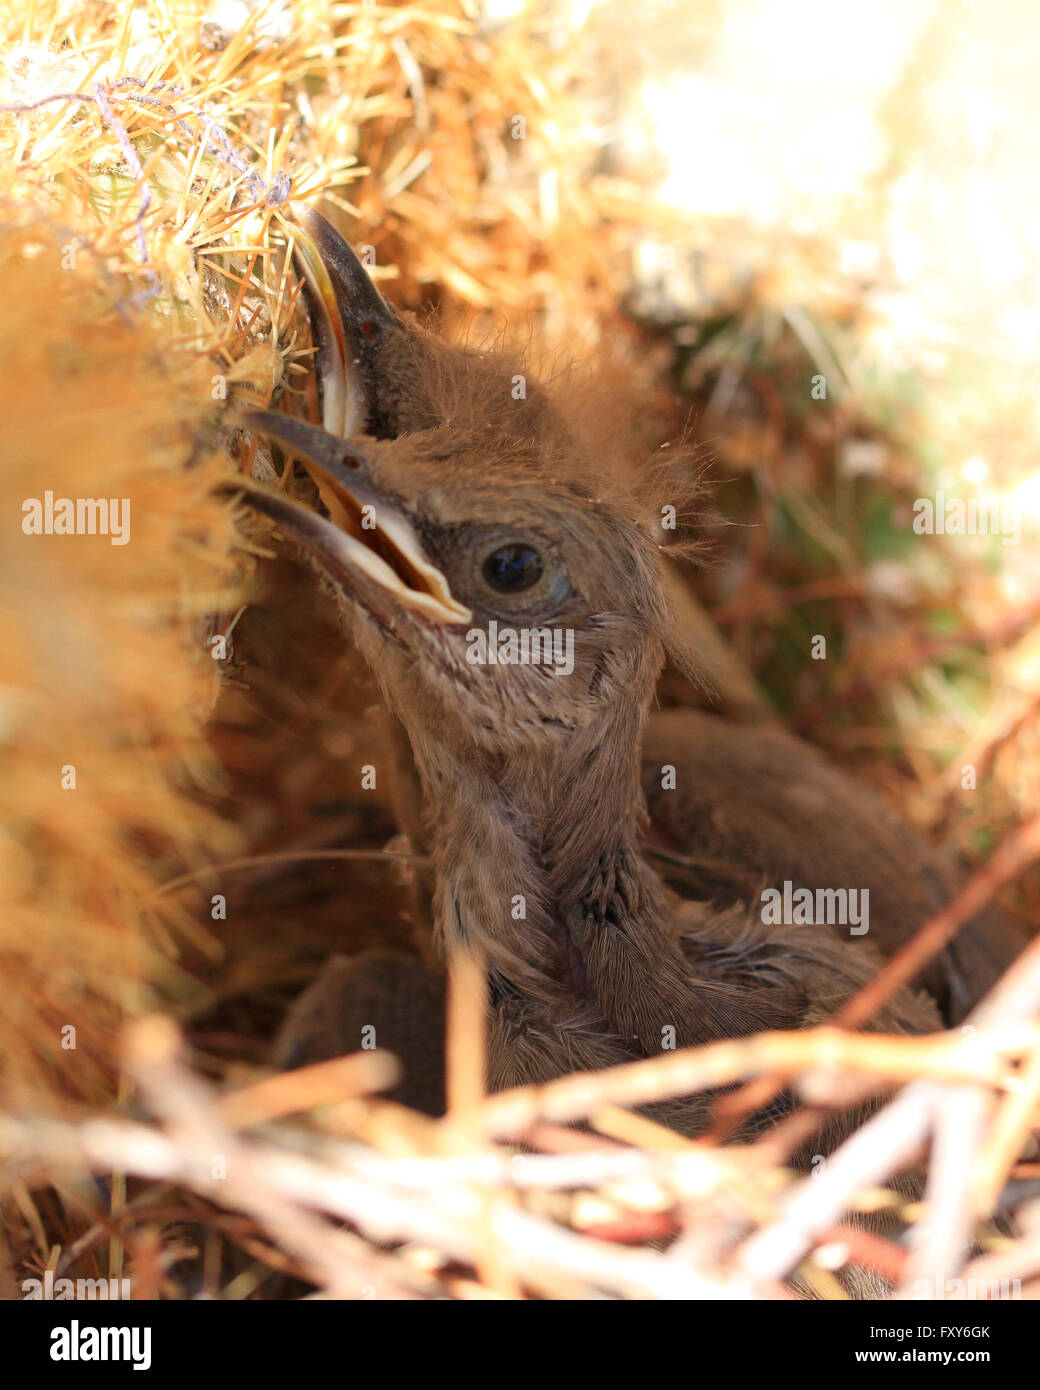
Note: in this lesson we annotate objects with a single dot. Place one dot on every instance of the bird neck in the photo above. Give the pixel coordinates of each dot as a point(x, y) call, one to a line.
point(538, 868)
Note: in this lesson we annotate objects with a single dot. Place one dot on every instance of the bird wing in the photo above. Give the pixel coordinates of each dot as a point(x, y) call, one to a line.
point(758, 807)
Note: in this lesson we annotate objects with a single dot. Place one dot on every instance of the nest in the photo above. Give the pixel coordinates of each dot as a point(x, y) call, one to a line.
point(185, 835)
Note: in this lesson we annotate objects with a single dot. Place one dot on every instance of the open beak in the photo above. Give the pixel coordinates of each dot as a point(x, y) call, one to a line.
point(367, 545)
point(350, 321)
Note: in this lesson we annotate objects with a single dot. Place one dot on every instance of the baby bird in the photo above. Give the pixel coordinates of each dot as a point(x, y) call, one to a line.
point(508, 594)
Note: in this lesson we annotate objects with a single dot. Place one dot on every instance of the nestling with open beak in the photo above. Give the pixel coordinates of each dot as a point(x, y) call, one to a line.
point(453, 507)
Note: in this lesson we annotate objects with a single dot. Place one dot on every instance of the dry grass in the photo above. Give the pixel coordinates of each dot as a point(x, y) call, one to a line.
point(454, 1208)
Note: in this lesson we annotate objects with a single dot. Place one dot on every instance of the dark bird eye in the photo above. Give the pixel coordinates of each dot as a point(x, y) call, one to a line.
point(513, 568)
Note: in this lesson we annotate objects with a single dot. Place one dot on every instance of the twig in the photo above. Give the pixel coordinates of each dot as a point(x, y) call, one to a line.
point(1002, 866)
point(825, 1050)
point(882, 1146)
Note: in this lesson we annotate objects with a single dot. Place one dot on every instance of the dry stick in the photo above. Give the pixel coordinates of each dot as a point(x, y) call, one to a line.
point(466, 1090)
point(1001, 1267)
point(864, 1248)
point(940, 1240)
point(322, 1083)
point(1014, 855)
point(885, 1143)
point(171, 1091)
point(1009, 860)
point(541, 1252)
point(281, 1190)
point(719, 1064)
point(466, 1045)
point(1012, 1124)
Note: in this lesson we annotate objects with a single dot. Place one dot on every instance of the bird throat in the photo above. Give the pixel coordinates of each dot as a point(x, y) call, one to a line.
point(541, 875)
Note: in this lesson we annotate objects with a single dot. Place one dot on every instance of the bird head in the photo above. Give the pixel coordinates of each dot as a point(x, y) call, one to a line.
point(504, 587)
point(379, 373)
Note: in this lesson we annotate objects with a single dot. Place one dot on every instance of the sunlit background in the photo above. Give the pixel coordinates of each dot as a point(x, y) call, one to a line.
point(849, 190)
